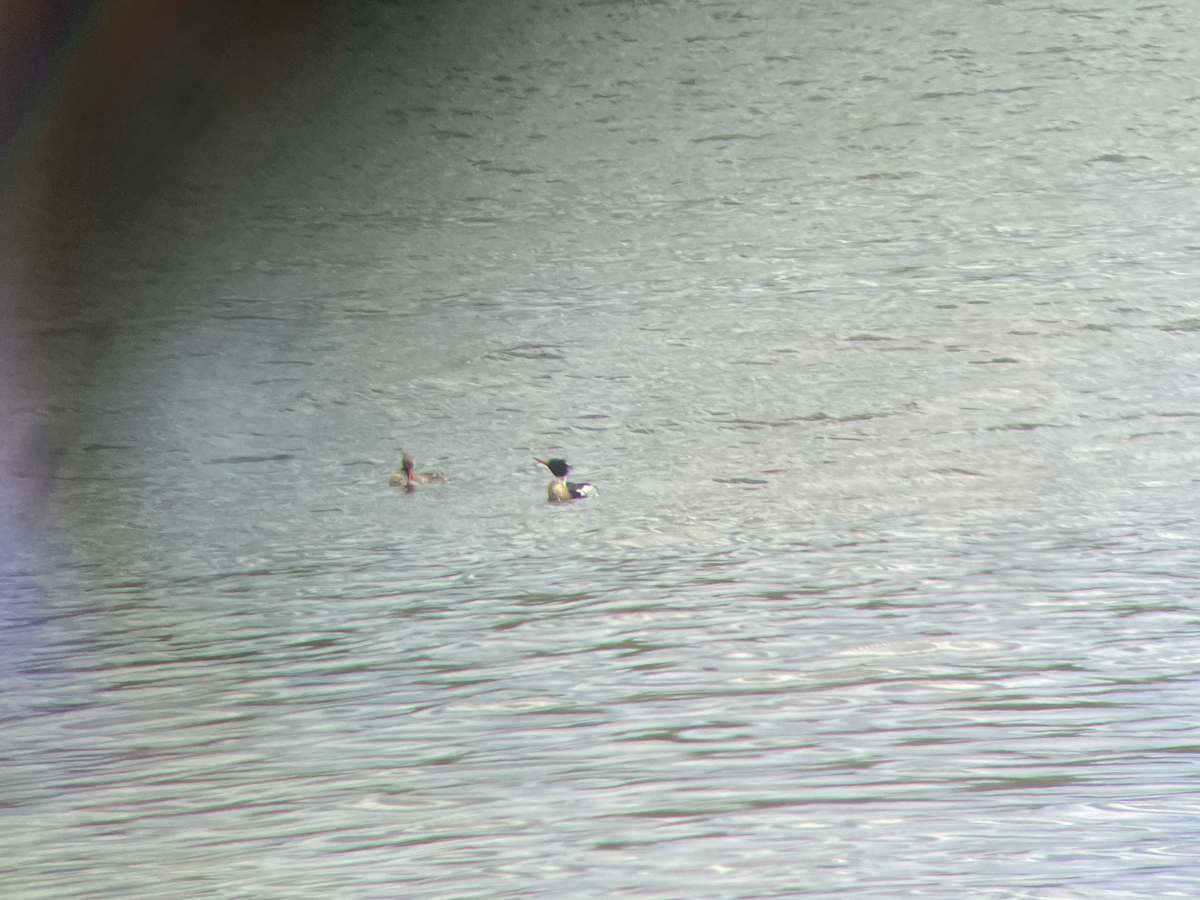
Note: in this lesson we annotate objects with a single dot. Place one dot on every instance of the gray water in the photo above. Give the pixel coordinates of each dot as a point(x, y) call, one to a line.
point(873, 323)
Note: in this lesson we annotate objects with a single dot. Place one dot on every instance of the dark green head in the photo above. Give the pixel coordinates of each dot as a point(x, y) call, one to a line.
point(558, 467)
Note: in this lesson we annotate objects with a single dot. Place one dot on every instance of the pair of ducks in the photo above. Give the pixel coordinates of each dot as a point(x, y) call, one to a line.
point(559, 491)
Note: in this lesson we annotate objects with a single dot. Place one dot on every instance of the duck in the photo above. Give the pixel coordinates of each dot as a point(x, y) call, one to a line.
point(561, 490)
point(405, 477)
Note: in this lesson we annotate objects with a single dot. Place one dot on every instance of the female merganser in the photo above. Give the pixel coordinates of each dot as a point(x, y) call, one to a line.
point(561, 490)
point(405, 477)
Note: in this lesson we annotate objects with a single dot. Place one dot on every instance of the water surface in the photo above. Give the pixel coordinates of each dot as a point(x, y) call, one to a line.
point(871, 323)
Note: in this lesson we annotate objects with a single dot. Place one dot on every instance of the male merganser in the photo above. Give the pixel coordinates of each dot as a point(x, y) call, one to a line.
point(560, 490)
point(405, 477)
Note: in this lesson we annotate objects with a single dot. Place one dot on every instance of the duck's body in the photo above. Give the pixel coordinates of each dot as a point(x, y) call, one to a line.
point(405, 477)
point(561, 490)
point(429, 477)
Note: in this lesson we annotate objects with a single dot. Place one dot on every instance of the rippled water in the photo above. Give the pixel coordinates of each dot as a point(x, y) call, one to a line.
point(874, 325)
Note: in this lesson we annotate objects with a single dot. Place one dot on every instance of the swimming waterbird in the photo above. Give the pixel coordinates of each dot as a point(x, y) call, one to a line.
point(560, 489)
point(405, 477)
